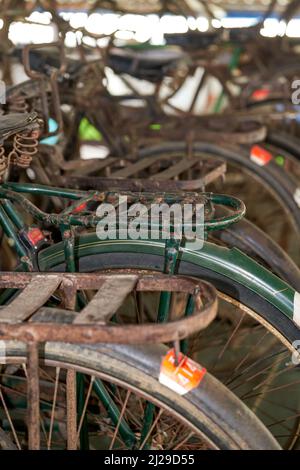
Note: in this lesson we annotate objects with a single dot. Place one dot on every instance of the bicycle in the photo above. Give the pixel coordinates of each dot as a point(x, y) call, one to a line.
point(241, 282)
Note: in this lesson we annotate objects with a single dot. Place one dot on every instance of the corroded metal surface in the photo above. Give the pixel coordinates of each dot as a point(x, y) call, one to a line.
point(88, 326)
point(27, 319)
point(165, 173)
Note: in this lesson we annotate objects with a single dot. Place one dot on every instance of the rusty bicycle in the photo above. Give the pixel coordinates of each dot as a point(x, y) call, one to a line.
point(251, 298)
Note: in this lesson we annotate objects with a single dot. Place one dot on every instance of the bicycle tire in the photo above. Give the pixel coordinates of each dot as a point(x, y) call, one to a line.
point(138, 368)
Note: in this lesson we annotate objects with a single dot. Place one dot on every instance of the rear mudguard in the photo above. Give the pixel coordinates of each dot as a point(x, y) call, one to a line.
point(255, 243)
point(230, 264)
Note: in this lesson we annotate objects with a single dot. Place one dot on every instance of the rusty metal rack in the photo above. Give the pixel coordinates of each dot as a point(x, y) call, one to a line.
point(159, 172)
point(27, 318)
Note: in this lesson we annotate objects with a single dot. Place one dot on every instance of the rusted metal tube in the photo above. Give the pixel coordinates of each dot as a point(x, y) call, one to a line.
point(33, 396)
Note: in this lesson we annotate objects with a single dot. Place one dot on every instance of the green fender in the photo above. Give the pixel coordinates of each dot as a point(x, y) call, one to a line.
point(228, 262)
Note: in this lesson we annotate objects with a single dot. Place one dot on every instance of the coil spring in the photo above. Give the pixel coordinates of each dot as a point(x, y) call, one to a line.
point(17, 104)
point(25, 146)
point(3, 161)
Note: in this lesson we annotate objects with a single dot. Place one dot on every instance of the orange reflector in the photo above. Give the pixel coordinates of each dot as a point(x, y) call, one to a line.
point(184, 376)
point(35, 235)
point(79, 208)
point(260, 156)
point(260, 94)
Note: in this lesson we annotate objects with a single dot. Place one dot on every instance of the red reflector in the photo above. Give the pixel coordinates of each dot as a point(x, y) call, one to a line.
point(260, 94)
point(260, 156)
point(79, 208)
point(35, 235)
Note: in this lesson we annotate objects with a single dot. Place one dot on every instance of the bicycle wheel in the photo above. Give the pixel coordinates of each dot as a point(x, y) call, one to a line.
point(254, 332)
point(283, 192)
point(208, 417)
point(275, 195)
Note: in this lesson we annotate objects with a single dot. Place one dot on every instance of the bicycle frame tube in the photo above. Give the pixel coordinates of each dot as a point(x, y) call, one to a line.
point(41, 190)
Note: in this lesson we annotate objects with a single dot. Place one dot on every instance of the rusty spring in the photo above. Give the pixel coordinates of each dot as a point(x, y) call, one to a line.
point(25, 146)
point(3, 161)
point(17, 103)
